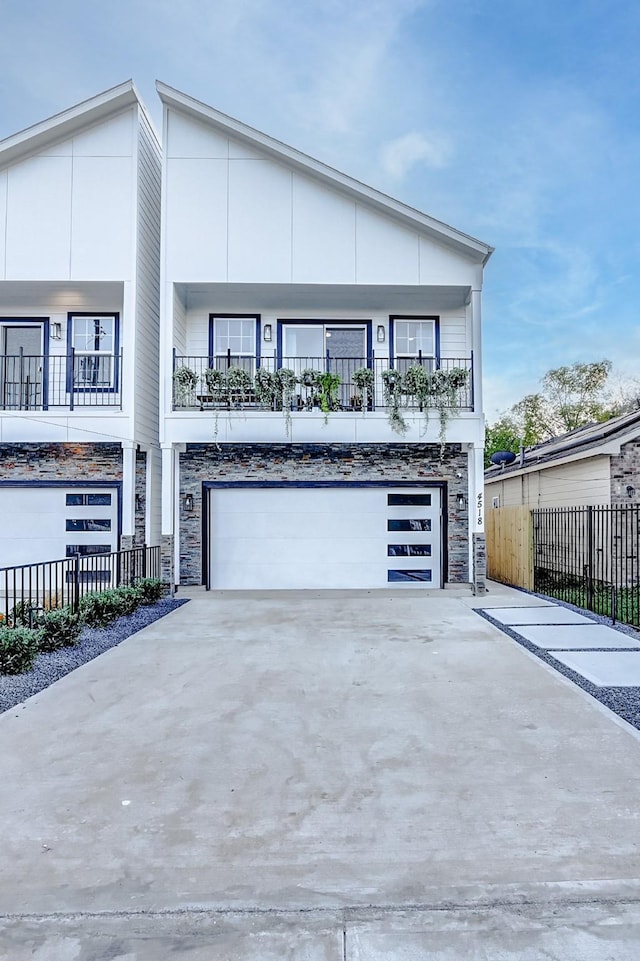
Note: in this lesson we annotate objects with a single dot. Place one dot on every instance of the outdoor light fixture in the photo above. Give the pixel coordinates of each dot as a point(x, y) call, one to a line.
point(188, 502)
point(56, 330)
point(266, 335)
point(380, 334)
point(630, 490)
point(461, 501)
point(138, 502)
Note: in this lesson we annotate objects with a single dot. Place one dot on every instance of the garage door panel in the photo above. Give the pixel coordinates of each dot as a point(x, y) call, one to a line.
point(35, 521)
point(310, 538)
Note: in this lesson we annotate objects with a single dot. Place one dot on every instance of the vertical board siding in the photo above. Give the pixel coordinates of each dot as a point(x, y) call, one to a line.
point(510, 546)
point(147, 286)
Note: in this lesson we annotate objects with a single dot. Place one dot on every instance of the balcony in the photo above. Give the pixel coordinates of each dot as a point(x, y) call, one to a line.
point(39, 383)
point(346, 384)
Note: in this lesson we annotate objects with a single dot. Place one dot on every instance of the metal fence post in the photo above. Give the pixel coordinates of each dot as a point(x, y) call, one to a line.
point(590, 593)
point(76, 583)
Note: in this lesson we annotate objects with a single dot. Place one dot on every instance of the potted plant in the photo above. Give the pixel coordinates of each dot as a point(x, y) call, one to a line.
point(392, 387)
point(328, 385)
point(185, 381)
point(363, 380)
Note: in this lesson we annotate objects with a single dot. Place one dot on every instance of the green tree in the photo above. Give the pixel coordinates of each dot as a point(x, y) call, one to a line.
point(571, 396)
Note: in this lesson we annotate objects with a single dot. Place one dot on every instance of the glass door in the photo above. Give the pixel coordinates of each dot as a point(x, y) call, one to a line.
point(22, 367)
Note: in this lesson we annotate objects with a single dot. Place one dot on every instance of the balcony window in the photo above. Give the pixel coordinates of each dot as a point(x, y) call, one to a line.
point(93, 344)
point(414, 339)
point(233, 340)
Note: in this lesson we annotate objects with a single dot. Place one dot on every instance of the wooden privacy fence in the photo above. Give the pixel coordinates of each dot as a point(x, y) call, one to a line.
point(509, 534)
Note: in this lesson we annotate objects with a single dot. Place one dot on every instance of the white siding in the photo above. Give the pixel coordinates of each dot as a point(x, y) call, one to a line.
point(259, 222)
point(146, 370)
point(179, 325)
point(324, 234)
point(567, 485)
point(454, 333)
point(38, 228)
point(233, 214)
point(68, 212)
point(385, 252)
point(196, 232)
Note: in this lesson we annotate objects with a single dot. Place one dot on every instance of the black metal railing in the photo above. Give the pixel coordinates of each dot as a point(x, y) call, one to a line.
point(30, 588)
point(40, 382)
point(206, 382)
point(590, 556)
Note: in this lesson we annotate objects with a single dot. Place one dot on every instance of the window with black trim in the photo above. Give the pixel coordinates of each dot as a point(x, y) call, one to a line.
point(88, 524)
point(414, 339)
point(93, 346)
point(88, 500)
point(233, 340)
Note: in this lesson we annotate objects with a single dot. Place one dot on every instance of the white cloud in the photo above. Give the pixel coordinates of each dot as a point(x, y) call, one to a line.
point(400, 155)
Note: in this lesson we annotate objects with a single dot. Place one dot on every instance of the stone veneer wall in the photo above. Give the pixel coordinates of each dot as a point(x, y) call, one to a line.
point(624, 472)
point(76, 462)
point(141, 491)
point(341, 462)
point(479, 564)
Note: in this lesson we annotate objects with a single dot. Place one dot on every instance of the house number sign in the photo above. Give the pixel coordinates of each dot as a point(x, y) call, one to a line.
point(479, 505)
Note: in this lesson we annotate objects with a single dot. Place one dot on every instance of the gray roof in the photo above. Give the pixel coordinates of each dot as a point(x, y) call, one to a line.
point(581, 442)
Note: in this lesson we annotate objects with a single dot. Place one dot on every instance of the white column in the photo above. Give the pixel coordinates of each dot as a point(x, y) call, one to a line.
point(476, 486)
point(476, 341)
point(169, 458)
point(128, 488)
point(152, 497)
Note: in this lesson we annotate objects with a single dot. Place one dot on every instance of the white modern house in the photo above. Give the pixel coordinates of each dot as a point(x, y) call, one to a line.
point(321, 417)
point(79, 306)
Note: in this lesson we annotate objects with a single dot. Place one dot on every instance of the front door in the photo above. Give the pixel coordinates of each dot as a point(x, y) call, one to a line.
point(21, 367)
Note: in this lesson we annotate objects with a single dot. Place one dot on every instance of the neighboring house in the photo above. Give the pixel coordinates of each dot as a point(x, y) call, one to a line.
point(596, 464)
point(79, 302)
point(273, 260)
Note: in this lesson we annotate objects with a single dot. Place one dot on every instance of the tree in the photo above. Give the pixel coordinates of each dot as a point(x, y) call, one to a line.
point(571, 396)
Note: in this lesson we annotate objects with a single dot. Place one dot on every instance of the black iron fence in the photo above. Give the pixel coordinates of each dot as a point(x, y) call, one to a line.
point(590, 556)
point(33, 382)
point(31, 588)
point(232, 380)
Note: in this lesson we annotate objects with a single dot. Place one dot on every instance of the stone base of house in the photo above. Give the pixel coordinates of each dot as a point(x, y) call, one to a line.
point(479, 564)
point(167, 563)
point(419, 463)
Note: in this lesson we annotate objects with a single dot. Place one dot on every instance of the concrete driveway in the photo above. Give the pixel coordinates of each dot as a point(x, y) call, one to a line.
point(338, 775)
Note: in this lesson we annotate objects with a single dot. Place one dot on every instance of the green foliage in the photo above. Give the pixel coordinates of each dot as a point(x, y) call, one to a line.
point(572, 396)
point(328, 385)
point(214, 379)
point(185, 381)
point(58, 628)
point(392, 386)
point(21, 615)
point(150, 590)
point(18, 649)
point(363, 379)
point(99, 609)
point(503, 435)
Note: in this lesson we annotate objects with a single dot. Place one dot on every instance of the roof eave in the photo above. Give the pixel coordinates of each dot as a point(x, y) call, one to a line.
point(63, 125)
point(442, 233)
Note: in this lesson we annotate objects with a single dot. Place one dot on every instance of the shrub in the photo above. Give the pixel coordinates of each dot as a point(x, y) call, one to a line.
point(59, 628)
point(18, 648)
point(21, 615)
point(150, 589)
point(128, 600)
point(98, 610)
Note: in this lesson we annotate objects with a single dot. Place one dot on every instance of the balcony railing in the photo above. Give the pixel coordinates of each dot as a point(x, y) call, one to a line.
point(31, 382)
point(232, 381)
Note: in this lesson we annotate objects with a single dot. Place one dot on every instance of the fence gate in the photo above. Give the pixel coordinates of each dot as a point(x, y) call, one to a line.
point(509, 546)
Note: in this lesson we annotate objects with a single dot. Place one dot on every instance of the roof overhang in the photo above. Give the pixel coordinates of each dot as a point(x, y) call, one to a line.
point(470, 247)
point(68, 123)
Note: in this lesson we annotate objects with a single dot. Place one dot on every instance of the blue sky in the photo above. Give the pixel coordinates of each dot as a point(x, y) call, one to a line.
point(515, 121)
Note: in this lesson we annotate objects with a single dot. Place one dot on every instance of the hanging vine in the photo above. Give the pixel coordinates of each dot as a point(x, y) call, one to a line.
point(363, 380)
point(392, 387)
point(286, 381)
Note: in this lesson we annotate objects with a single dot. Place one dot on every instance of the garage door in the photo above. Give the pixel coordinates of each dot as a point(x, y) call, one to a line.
point(45, 523)
point(306, 538)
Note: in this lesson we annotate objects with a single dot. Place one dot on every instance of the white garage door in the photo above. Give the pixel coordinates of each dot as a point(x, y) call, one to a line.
point(47, 523)
point(306, 538)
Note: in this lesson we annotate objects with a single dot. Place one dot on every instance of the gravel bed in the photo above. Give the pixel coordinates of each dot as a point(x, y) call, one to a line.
point(623, 701)
point(48, 668)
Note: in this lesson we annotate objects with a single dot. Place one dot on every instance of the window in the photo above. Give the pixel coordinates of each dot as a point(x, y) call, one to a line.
point(410, 575)
point(93, 338)
point(88, 500)
point(409, 500)
point(414, 338)
point(233, 340)
point(86, 550)
point(87, 525)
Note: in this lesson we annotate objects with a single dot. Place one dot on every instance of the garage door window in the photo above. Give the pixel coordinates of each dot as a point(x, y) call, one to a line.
point(86, 524)
point(86, 550)
point(88, 500)
point(409, 524)
point(408, 575)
